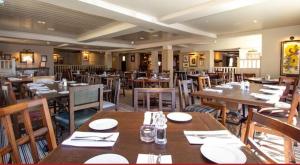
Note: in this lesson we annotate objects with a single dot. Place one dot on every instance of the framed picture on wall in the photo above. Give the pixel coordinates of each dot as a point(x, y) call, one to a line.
point(289, 63)
point(44, 58)
point(27, 57)
point(185, 65)
point(132, 58)
point(7, 56)
point(60, 60)
point(193, 59)
point(43, 64)
point(55, 58)
point(186, 58)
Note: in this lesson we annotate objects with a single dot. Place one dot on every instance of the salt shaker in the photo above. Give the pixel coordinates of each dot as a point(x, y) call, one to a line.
point(161, 129)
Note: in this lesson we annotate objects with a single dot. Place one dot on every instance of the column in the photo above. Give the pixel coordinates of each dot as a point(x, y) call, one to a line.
point(154, 61)
point(108, 59)
point(167, 61)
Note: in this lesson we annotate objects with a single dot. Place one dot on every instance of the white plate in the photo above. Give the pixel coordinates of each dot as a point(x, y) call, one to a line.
point(103, 124)
point(223, 154)
point(179, 116)
point(71, 82)
point(107, 159)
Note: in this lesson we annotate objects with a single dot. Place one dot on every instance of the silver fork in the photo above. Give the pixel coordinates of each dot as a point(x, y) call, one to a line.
point(99, 137)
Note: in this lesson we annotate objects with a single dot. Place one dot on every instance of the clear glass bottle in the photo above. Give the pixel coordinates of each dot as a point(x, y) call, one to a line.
point(161, 129)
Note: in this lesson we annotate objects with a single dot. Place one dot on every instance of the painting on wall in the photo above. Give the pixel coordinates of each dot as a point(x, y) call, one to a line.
point(44, 58)
point(185, 59)
point(55, 58)
point(7, 56)
point(185, 65)
point(27, 57)
point(290, 52)
point(132, 58)
point(193, 59)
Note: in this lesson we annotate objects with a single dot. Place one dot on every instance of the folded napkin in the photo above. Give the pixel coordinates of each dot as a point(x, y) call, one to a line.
point(233, 83)
point(92, 141)
point(213, 90)
point(275, 92)
point(46, 91)
point(14, 79)
point(275, 87)
point(149, 117)
point(45, 81)
point(141, 78)
point(224, 86)
point(215, 137)
point(269, 98)
point(79, 84)
point(39, 88)
point(64, 92)
point(34, 84)
point(146, 159)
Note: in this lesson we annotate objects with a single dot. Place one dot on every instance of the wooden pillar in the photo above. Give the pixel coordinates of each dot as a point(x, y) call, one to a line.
point(167, 61)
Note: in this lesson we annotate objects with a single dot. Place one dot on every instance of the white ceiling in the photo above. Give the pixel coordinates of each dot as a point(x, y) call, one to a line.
point(157, 8)
point(270, 14)
point(114, 24)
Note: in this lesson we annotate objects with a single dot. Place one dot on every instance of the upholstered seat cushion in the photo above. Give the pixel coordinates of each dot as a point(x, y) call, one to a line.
point(200, 108)
point(81, 117)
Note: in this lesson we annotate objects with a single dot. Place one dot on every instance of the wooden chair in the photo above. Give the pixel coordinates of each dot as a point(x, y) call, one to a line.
point(186, 102)
point(37, 79)
point(248, 75)
point(83, 101)
point(31, 135)
point(238, 77)
point(284, 130)
point(204, 82)
point(91, 80)
point(113, 103)
point(58, 76)
point(84, 78)
point(291, 85)
point(147, 92)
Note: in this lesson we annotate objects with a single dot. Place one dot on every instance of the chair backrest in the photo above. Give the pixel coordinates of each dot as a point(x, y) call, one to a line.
point(83, 97)
point(91, 79)
point(8, 93)
point(185, 88)
point(147, 92)
point(84, 78)
point(31, 135)
point(238, 77)
point(116, 91)
point(290, 83)
point(37, 79)
point(287, 131)
point(204, 82)
point(248, 75)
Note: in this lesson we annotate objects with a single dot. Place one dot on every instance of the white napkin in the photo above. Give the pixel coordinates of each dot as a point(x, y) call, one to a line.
point(64, 92)
point(213, 90)
point(39, 87)
point(46, 91)
point(233, 83)
point(226, 86)
point(215, 137)
point(144, 159)
point(147, 117)
point(275, 87)
point(14, 79)
point(275, 92)
point(45, 81)
point(35, 84)
point(79, 84)
point(268, 98)
point(87, 143)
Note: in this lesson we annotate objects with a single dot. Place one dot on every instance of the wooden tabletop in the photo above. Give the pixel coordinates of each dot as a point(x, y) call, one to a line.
point(21, 80)
point(236, 95)
point(129, 144)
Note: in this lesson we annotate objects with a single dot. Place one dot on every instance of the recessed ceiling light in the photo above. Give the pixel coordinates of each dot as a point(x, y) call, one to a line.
point(141, 38)
point(132, 42)
point(51, 29)
point(41, 22)
point(48, 43)
point(155, 35)
point(255, 21)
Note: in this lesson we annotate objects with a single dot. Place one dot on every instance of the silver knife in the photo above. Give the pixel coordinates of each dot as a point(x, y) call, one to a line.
point(158, 160)
point(99, 140)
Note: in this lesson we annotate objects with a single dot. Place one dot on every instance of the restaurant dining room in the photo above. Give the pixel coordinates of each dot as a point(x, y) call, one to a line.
point(149, 81)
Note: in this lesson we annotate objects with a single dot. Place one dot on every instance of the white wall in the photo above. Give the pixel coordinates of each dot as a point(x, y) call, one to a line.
point(271, 50)
point(15, 49)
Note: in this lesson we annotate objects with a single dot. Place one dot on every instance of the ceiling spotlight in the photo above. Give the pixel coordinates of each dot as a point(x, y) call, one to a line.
point(132, 42)
point(155, 35)
point(48, 43)
point(141, 38)
point(41, 22)
point(51, 29)
point(255, 21)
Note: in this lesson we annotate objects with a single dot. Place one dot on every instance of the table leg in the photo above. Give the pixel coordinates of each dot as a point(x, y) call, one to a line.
point(250, 114)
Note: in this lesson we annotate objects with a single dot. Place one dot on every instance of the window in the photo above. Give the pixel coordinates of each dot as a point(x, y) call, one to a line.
point(250, 59)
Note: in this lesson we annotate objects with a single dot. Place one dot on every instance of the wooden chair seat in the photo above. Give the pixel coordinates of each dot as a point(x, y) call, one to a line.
point(63, 118)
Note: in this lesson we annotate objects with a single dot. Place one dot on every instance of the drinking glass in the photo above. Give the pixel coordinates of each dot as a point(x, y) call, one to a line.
point(147, 133)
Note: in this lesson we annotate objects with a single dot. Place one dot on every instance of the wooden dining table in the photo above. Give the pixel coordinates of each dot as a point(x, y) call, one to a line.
point(261, 80)
point(129, 144)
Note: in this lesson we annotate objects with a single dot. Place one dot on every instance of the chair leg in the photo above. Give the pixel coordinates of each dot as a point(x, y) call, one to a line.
point(224, 115)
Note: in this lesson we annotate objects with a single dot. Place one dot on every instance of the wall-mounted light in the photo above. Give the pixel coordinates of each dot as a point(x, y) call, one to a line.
point(292, 38)
point(159, 63)
point(123, 58)
point(85, 55)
